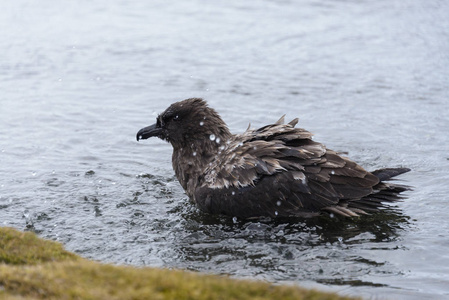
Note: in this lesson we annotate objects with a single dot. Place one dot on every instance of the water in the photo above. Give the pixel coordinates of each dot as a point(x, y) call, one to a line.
point(78, 80)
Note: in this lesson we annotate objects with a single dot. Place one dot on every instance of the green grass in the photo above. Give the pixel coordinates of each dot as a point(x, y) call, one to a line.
point(24, 248)
point(33, 268)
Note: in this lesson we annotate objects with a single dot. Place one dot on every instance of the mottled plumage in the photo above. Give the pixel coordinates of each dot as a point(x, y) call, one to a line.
point(275, 171)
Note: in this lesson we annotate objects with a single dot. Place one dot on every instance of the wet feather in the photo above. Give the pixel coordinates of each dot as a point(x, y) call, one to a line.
point(276, 170)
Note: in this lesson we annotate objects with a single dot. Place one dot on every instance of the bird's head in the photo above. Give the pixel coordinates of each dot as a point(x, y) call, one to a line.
point(186, 122)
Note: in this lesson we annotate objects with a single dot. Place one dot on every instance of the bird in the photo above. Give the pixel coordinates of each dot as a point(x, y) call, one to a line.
point(275, 171)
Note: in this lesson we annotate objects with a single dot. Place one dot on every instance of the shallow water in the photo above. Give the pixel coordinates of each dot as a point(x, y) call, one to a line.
point(78, 80)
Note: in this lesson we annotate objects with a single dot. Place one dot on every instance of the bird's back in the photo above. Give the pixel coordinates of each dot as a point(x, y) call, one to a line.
point(278, 170)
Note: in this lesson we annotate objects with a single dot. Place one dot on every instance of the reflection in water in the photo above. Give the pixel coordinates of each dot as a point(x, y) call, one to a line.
point(328, 250)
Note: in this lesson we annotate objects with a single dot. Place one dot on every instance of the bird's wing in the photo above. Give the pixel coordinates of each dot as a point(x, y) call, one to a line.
point(280, 164)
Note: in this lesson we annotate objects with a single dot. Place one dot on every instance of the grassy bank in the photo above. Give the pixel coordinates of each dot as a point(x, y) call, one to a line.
point(33, 268)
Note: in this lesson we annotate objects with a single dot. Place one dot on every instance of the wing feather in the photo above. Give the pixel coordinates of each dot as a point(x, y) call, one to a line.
point(279, 169)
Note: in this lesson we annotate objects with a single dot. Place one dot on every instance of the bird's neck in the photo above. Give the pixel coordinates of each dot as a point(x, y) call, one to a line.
point(191, 159)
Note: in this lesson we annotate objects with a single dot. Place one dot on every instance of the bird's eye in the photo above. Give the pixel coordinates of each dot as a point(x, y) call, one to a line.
point(176, 118)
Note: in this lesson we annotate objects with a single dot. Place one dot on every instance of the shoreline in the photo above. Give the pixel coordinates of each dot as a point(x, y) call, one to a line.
point(35, 268)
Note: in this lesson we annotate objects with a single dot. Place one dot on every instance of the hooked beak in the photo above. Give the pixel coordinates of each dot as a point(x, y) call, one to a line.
point(148, 132)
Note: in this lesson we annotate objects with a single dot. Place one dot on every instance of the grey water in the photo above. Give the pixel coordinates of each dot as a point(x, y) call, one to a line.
point(369, 78)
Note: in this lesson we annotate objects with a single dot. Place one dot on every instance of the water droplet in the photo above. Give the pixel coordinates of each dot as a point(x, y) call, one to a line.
point(278, 203)
point(201, 123)
point(140, 137)
point(222, 148)
point(217, 140)
point(212, 137)
point(332, 172)
point(332, 215)
point(234, 219)
point(194, 153)
point(276, 213)
point(340, 239)
point(255, 148)
point(233, 193)
point(33, 173)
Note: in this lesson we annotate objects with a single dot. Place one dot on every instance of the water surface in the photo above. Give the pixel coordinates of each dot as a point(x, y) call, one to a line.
point(370, 78)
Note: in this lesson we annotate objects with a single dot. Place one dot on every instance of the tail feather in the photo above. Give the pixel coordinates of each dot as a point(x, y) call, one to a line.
point(383, 192)
point(388, 173)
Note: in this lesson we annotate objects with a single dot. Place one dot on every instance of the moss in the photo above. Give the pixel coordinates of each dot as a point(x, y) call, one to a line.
point(19, 248)
point(67, 276)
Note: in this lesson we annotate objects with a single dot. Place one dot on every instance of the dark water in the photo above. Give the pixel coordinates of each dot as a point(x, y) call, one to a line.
point(78, 79)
